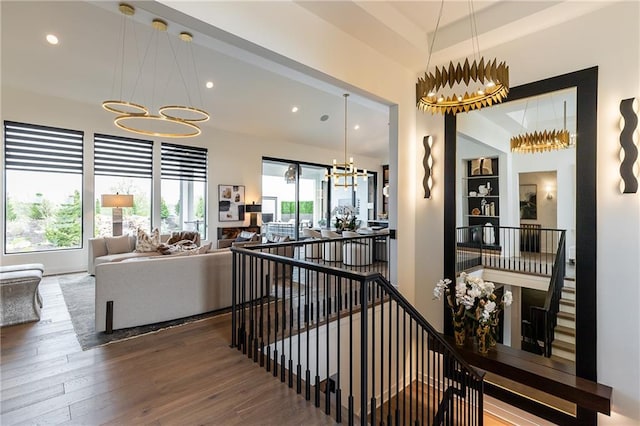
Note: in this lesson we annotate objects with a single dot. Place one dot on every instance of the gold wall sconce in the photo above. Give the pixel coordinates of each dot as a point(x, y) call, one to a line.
point(629, 146)
point(427, 162)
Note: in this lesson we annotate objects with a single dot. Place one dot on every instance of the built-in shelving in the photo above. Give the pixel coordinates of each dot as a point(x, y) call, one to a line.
point(482, 200)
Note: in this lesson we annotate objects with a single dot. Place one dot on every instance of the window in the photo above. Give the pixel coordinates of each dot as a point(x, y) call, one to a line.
point(294, 196)
point(43, 188)
point(183, 202)
point(123, 165)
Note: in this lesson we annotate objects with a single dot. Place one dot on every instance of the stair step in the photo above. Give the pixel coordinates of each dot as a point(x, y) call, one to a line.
point(568, 293)
point(569, 283)
point(568, 306)
point(563, 350)
point(565, 334)
point(567, 319)
point(560, 359)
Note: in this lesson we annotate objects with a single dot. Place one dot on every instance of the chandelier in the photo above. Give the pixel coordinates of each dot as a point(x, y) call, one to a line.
point(541, 141)
point(484, 84)
point(345, 175)
point(172, 120)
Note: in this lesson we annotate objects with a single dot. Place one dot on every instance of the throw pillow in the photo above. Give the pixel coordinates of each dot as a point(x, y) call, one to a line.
point(117, 245)
point(192, 236)
point(146, 243)
point(245, 236)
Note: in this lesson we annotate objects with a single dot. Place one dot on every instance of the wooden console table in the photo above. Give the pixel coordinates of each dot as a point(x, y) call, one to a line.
point(543, 374)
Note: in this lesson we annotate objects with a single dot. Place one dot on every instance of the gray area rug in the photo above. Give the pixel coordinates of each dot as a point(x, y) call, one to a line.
point(79, 295)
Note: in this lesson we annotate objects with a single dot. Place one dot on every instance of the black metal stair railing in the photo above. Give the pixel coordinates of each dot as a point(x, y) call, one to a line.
point(347, 340)
point(544, 319)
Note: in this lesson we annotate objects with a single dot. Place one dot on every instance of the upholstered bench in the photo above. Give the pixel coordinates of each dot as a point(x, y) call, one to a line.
point(21, 300)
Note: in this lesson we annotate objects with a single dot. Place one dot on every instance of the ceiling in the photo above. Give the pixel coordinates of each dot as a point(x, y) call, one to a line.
point(251, 95)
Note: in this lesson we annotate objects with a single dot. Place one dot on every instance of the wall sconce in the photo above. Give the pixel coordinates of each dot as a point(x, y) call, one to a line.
point(427, 162)
point(629, 146)
point(549, 194)
point(116, 202)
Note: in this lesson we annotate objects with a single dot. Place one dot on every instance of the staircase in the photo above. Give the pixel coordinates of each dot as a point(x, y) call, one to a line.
point(563, 347)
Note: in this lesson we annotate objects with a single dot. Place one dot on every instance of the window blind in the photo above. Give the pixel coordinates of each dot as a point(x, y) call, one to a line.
point(118, 156)
point(181, 162)
point(42, 148)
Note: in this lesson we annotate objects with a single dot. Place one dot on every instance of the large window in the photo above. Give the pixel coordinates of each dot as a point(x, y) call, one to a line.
point(183, 202)
point(124, 166)
point(43, 188)
point(363, 199)
point(294, 196)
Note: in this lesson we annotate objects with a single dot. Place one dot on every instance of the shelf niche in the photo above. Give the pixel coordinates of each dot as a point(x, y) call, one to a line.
point(483, 207)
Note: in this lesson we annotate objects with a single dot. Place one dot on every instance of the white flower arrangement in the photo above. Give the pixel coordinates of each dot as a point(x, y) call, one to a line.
point(345, 216)
point(473, 300)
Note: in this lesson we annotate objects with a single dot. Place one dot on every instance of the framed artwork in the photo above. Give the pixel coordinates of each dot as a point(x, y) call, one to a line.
point(528, 201)
point(230, 203)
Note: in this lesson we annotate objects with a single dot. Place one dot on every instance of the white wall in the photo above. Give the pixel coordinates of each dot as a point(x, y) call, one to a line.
point(232, 158)
point(610, 39)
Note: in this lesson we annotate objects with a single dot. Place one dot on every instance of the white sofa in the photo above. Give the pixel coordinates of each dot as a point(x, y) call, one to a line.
point(147, 290)
point(99, 251)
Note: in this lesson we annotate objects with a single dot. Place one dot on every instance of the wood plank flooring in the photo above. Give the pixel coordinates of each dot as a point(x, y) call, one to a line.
point(184, 375)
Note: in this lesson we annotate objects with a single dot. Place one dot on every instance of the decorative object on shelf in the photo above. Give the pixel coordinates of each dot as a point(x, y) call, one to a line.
point(116, 201)
point(486, 84)
point(345, 218)
point(427, 162)
point(173, 119)
point(528, 201)
point(488, 235)
point(474, 307)
point(629, 134)
point(481, 166)
point(541, 141)
point(482, 190)
point(475, 212)
point(253, 209)
point(345, 175)
point(231, 203)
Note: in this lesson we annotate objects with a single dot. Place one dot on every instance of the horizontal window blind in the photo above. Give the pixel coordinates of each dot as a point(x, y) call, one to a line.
point(42, 148)
point(118, 156)
point(181, 162)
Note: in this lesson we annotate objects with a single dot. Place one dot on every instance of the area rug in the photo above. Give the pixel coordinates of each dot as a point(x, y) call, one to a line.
point(79, 295)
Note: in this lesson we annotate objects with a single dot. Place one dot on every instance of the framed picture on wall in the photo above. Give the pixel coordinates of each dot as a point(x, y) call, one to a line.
point(230, 203)
point(528, 201)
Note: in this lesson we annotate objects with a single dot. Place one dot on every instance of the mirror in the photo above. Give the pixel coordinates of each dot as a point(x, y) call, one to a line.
point(515, 201)
point(584, 84)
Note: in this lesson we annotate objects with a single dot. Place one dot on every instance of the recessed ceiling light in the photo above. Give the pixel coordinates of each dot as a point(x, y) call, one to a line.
point(52, 39)
point(356, 127)
point(294, 109)
point(209, 84)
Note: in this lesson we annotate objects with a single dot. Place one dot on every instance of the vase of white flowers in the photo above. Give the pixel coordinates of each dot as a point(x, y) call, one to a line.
point(345, 217)
point(474, 306)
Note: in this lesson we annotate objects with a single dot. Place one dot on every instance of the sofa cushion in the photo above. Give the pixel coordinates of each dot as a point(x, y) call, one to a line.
point(184, 235)
point(122, 256)
point(147, 243)
point(117, 245)
point(246, 236)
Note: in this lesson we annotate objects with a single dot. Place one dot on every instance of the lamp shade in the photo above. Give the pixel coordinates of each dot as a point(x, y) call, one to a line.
point(116, 200)
point(253, 208)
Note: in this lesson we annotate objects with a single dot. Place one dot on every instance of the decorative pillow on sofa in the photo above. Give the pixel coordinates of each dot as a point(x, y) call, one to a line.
point(245, 236)
point(146, 243)
point(117, 245)
point(184, 235)
point(273, 238)
point(197, 250)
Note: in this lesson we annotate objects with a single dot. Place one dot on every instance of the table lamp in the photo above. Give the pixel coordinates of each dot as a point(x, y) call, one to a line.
point(254, 209)
point(116, 202)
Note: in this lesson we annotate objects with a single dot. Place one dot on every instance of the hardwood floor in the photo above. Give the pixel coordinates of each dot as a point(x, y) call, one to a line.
point(184, 375)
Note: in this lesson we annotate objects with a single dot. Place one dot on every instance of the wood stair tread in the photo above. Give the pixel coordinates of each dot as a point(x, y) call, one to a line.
point(565, 346)
point(569, 289)
point(566, 315)
point(565, 330)
point(568, 302)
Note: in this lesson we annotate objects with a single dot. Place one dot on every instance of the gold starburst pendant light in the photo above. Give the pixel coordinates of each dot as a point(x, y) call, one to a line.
point(541, 141)
point(172, 120)
point(483, 83)
point(345, 175)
